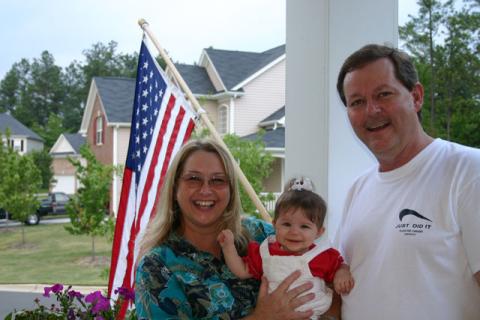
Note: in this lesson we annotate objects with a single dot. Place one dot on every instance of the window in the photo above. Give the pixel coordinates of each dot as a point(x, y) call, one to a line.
point(99, 131)
point(223, 119)
point(21, 145)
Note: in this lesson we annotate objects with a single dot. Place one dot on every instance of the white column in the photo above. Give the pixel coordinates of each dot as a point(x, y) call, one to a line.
point(319, 141)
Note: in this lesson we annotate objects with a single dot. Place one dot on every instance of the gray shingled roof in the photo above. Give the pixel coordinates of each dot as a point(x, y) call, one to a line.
point(76, 140)
point(236, 66)
point(277, 115)
point(117, 97)
point(16, 127)
point(271, 138)
point(197, 78)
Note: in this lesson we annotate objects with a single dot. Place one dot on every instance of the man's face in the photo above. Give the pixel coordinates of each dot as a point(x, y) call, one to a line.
point(382, 112)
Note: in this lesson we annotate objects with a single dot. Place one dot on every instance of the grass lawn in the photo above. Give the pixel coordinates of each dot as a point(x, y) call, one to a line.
point(51, 255)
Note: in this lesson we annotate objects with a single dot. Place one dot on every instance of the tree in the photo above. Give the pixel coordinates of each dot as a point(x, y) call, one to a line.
point(43, 161)
point(444, 42)
point(255, 163)
point(89, 206)
point(20, 182)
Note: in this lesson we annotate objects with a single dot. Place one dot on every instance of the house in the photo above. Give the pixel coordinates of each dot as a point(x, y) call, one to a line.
point(67, 146)
point(241, 93)
point(273, 135)
point(22, 139)
point(238, 90)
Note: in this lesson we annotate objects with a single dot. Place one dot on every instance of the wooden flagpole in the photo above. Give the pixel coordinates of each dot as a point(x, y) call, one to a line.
point(243, 180)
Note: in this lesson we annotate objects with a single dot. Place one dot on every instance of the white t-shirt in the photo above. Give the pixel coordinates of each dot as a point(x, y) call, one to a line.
point(412, 238)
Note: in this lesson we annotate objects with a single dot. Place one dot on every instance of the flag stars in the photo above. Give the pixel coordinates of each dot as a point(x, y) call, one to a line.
point(145, 79)
point(137, 125)
point(155, 112)
point(145, 65)
point(151, 74)
point(137, 153)
point(144, 136)
point(161, 93)
point(145, 149)
point(144, 107)
point(145, 93)
point(137, 139)
point(145, 121)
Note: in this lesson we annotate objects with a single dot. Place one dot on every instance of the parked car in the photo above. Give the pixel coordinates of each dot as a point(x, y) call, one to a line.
point(54, 203)
point(4, 214)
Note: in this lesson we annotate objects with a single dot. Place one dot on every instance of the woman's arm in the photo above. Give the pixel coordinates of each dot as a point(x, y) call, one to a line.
point(232, 259)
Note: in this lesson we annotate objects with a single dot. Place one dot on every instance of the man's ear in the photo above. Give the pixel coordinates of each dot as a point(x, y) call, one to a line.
point(417, 93)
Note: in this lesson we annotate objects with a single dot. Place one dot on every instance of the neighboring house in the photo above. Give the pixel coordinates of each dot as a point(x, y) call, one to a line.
point(22, 139)
point(273, 136)
point(67, 146)
point(106, 124)
point(237, 90)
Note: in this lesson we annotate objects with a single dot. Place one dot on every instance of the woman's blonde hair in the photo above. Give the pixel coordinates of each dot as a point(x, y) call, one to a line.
point(168, 216)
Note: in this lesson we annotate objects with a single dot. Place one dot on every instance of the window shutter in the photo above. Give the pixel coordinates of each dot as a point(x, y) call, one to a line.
point(104, 128)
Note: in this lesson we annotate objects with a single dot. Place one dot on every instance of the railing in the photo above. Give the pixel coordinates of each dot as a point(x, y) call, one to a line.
point(270, 205)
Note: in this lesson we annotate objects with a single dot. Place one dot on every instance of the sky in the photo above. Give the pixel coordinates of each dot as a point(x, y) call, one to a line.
point(183, 27)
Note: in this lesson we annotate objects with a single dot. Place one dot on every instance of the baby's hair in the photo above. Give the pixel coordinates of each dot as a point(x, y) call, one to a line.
point(299, 193)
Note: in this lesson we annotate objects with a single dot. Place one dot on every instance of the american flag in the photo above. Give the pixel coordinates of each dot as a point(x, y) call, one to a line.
point(162, 121)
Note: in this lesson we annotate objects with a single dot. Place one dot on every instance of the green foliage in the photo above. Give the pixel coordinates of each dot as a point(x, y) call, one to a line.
point(34, 90)
point(255, 163)
point(43, 161)
point(20, 181)
point(444, 39)
point(88, 208)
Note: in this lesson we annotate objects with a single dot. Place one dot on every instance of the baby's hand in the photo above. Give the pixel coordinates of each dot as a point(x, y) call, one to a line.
point(343, 281)
point(225, 238)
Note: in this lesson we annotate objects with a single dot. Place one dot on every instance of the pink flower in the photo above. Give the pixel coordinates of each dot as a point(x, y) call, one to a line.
point(56, 288)
point(126, 293)
point(72, 294)
point(98, 301)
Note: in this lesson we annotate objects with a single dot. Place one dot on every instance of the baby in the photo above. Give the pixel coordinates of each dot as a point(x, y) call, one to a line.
point(298, 221)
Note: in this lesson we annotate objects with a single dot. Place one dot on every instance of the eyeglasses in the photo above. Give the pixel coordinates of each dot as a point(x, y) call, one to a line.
point(193, 180)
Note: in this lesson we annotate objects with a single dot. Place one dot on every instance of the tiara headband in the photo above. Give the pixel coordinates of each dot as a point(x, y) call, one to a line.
point(301, 184)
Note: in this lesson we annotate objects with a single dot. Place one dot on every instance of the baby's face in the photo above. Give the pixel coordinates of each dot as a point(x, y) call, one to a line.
point(295, 232)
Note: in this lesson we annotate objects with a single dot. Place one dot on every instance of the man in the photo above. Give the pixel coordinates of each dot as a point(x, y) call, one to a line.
point(411, 225)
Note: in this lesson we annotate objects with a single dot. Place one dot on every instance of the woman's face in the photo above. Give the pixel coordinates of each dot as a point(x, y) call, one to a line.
point(203, 192)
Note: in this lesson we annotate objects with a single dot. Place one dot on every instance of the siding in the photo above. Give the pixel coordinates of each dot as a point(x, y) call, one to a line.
point(104, 152)
point(62, 167)
point(273, 183)
point(263, 96)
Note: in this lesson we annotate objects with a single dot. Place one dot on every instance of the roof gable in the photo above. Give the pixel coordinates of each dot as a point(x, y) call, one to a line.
point(234, 67)
point(16, 127)
point(117, 95)
point(68, 143)
point(197, 78)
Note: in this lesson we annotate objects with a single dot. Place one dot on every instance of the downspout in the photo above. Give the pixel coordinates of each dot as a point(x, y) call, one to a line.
point(231, 115)
point(114, 204)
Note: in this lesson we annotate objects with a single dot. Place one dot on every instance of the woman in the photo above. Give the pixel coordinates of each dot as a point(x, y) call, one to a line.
point(181, 273)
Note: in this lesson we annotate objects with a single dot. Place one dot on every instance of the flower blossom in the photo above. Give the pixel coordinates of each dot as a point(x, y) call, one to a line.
point(126, 293)
point(56, 288)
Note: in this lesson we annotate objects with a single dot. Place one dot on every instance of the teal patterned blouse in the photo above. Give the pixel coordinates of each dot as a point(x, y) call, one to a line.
point(177, 281)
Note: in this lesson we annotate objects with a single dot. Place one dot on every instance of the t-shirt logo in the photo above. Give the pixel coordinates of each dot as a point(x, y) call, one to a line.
point(415, 224)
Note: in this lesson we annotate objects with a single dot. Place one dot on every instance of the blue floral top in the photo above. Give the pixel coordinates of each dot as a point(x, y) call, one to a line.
point(177, 281)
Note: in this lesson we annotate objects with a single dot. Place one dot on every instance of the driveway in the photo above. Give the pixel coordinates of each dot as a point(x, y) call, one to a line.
point(11, 223)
